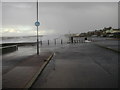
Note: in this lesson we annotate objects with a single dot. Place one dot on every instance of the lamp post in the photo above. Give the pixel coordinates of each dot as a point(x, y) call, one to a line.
point(37, 23)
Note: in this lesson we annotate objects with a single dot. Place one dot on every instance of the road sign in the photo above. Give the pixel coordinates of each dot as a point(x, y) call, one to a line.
point(37, 23)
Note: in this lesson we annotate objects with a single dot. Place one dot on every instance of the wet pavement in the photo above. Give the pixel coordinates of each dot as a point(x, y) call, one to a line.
point(82, 65)
point(24, 74)
point(112, 44)
point(21, 66)
point(10, 60)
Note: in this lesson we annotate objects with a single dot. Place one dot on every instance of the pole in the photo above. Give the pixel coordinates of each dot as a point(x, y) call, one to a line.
point(37, 32)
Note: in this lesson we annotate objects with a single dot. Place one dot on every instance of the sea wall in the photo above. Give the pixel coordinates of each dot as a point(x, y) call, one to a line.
point(8, 49)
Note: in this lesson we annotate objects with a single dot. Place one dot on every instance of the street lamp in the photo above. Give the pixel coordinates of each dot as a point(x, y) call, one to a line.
point(37, 23)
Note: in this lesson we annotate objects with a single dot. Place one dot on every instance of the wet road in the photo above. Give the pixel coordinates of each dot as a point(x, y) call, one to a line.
point(82, 65)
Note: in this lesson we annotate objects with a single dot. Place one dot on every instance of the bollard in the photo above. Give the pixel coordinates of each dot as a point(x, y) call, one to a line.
point(61, 41)
point(55, 41)
point(48, 42)
point(72, 40)
point(41, 43)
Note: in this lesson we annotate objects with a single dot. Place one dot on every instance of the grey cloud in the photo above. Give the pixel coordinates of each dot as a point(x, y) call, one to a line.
point(62, 17)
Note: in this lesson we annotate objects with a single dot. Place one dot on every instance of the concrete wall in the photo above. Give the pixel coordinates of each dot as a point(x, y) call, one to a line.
point(8, 49)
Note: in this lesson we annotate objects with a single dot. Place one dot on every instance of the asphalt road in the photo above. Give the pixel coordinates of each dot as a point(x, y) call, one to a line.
point(83, 65)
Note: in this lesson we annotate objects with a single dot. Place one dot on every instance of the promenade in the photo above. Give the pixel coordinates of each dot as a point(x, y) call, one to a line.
point(111, 44)
point(24, 73)
point(80, 65)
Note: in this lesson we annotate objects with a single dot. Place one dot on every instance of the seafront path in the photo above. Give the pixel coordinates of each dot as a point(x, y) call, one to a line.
point(84, 65)
point(81, 65)
point(21, 68)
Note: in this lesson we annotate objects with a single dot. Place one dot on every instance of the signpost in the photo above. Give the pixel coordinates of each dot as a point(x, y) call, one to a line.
point(37, 24)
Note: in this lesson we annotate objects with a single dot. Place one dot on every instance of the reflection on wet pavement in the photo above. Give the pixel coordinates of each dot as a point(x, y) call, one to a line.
point(11, 59)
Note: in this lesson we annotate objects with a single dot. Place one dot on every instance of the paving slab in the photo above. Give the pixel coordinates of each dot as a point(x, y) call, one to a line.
point(25, 73)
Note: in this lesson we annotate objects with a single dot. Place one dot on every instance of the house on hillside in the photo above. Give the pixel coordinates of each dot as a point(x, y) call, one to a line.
point(113, 33)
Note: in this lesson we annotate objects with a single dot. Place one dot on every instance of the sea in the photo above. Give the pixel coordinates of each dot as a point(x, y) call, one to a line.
point(43, 38)
point(28, 39)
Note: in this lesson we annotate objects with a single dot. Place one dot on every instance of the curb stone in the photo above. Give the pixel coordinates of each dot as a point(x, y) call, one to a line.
point(31, 82)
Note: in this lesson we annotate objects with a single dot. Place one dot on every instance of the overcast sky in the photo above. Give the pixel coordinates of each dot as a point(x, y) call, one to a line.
point(18, 18)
